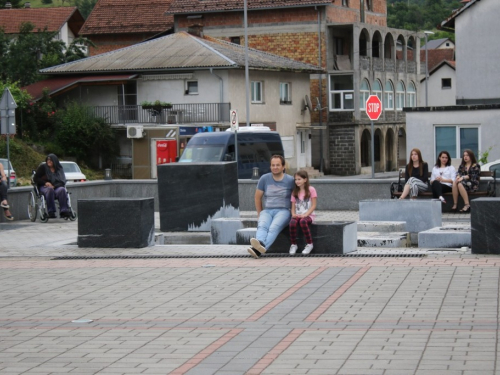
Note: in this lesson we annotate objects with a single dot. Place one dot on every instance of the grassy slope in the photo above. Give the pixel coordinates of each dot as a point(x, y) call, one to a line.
point(24, 159)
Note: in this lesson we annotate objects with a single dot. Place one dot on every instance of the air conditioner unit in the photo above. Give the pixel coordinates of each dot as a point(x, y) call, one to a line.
point(135, 131)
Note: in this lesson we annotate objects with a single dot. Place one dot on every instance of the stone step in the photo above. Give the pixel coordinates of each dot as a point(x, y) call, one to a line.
point(445, 237)
point(382, 226)
point(377, 239)
point(313, 173)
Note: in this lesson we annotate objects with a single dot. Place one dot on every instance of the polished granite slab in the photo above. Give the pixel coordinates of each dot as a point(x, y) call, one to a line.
point(485, 226)
point(116, 222)
point(191, 195)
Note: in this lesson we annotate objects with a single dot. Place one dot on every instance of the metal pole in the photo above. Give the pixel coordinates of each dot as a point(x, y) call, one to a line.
point(373, 150)
point(320, 96)
point(247, 76)
point(426, 70)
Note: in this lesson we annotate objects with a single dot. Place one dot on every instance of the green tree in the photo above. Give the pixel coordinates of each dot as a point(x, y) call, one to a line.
point(85, 6)
point(78, 49)
point(83, 136)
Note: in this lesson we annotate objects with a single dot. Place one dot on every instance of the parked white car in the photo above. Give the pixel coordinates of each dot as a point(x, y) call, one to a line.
point(13, 177)
point(494, 165)
point(73, 172)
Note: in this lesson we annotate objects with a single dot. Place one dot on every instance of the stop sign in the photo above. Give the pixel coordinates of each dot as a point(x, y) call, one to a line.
point(373, 107)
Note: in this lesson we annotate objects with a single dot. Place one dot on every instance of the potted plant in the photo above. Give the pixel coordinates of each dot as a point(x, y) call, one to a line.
point(157, 105)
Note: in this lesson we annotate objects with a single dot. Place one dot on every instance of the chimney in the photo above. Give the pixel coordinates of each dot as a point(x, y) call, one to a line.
point(196, 30)
point(27, 5)
point(8, 5)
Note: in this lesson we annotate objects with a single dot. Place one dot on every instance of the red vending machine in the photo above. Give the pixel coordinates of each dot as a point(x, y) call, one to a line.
point(166, 151)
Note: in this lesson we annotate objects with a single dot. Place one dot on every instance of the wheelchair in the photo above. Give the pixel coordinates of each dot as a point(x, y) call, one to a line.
point(37, 205)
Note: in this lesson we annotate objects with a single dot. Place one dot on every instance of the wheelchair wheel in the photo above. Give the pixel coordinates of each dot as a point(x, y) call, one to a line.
point(72, 216)
point(32, 207)
point(44, 217)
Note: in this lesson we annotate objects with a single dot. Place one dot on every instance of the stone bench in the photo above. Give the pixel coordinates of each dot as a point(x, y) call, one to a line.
point(116, 222)
point(329, 237)
point(445, 237)
point(419, 215)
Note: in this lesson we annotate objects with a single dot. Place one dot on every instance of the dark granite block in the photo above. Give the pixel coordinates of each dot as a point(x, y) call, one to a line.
point(192, 194)
point(116, 222)
point(329, 237)
point(485, 227)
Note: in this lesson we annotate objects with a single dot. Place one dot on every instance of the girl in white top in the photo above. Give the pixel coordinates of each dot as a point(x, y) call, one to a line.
point(443, 175)
point(303, 205)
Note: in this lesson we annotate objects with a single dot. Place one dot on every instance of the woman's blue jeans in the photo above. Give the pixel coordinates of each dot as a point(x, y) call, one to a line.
point(271, 222)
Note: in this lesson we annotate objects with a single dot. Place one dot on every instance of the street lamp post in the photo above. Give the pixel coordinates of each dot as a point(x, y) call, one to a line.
point(426, 67)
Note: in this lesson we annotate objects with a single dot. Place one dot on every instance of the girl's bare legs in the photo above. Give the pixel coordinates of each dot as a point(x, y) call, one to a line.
point(463, 194)
point(454, 192)
point(406, 191)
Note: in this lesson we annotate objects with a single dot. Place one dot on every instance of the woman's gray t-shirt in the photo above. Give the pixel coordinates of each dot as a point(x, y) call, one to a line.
point(276, 193)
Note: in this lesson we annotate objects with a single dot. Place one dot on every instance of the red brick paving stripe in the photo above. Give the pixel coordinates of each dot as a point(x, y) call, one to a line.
point(336, 295)
point(275, 352)
point(205, 352)
point(257, 315)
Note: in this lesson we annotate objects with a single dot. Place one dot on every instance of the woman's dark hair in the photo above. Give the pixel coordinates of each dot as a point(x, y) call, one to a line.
point(438, 161)
point(471, 156)
point(420, 162)
point(296, 190)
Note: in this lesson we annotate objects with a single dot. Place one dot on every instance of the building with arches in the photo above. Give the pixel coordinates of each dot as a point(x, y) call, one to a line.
point(360, 56)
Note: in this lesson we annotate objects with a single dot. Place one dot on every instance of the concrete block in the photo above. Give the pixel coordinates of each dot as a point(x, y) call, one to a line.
point(418, 214)
point(381, 226)
point(485, 226)
point(116, 222)
point(191, 195)
point(223, 230)
point(445, 237)
point(377, 239)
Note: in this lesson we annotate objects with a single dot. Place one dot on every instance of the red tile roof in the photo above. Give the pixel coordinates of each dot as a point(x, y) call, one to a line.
point(62, 84)
point(52, 18)
point(200, 6)
point(125, 17)
point(436, 56)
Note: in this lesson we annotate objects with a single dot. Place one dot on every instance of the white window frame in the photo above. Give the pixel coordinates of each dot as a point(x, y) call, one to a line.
point(256, 91)
point(285, 93)
point(363, 94)
point(389, 96)
point(377, 92)
point(188, 92)
point(411, 95)
point(344, 95)
point(457, 138)
point(400, 96)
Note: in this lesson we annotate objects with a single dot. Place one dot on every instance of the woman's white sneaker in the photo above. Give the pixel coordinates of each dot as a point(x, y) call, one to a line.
point(293, 249)
point(308, 248)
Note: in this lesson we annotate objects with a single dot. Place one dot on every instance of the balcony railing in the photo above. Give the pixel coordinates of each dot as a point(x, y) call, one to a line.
point(178, 114)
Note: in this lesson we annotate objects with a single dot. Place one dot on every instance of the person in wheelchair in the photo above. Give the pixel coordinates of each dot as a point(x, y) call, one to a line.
point(51, 182)
point(3, 194)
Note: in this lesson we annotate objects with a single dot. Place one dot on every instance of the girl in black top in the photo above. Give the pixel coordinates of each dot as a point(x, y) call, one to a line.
point(467, 180)
point(416, 175)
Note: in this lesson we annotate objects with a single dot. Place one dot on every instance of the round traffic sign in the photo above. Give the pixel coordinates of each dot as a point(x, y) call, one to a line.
point(373, 107)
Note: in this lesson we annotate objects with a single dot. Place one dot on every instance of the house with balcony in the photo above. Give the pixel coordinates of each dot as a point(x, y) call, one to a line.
point(350, 40)
point(471, 122)
point(201, 79)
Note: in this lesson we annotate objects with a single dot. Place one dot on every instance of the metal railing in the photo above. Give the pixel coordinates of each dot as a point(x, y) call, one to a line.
point(178, 114)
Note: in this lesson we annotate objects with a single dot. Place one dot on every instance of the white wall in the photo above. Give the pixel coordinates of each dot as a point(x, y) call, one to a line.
point(478, 51)
point(286, 116)
point(437, 96)
point(173, 91)
point(420, 130)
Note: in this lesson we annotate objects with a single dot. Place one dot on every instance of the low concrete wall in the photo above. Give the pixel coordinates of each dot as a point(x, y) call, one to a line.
point(333, 194)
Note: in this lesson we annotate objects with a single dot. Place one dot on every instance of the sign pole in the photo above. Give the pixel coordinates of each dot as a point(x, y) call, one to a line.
point(8, 118)
point(373, 150)
point(373, 107)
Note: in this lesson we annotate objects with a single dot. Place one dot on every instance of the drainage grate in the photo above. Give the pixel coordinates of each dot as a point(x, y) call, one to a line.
point(242, 256)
